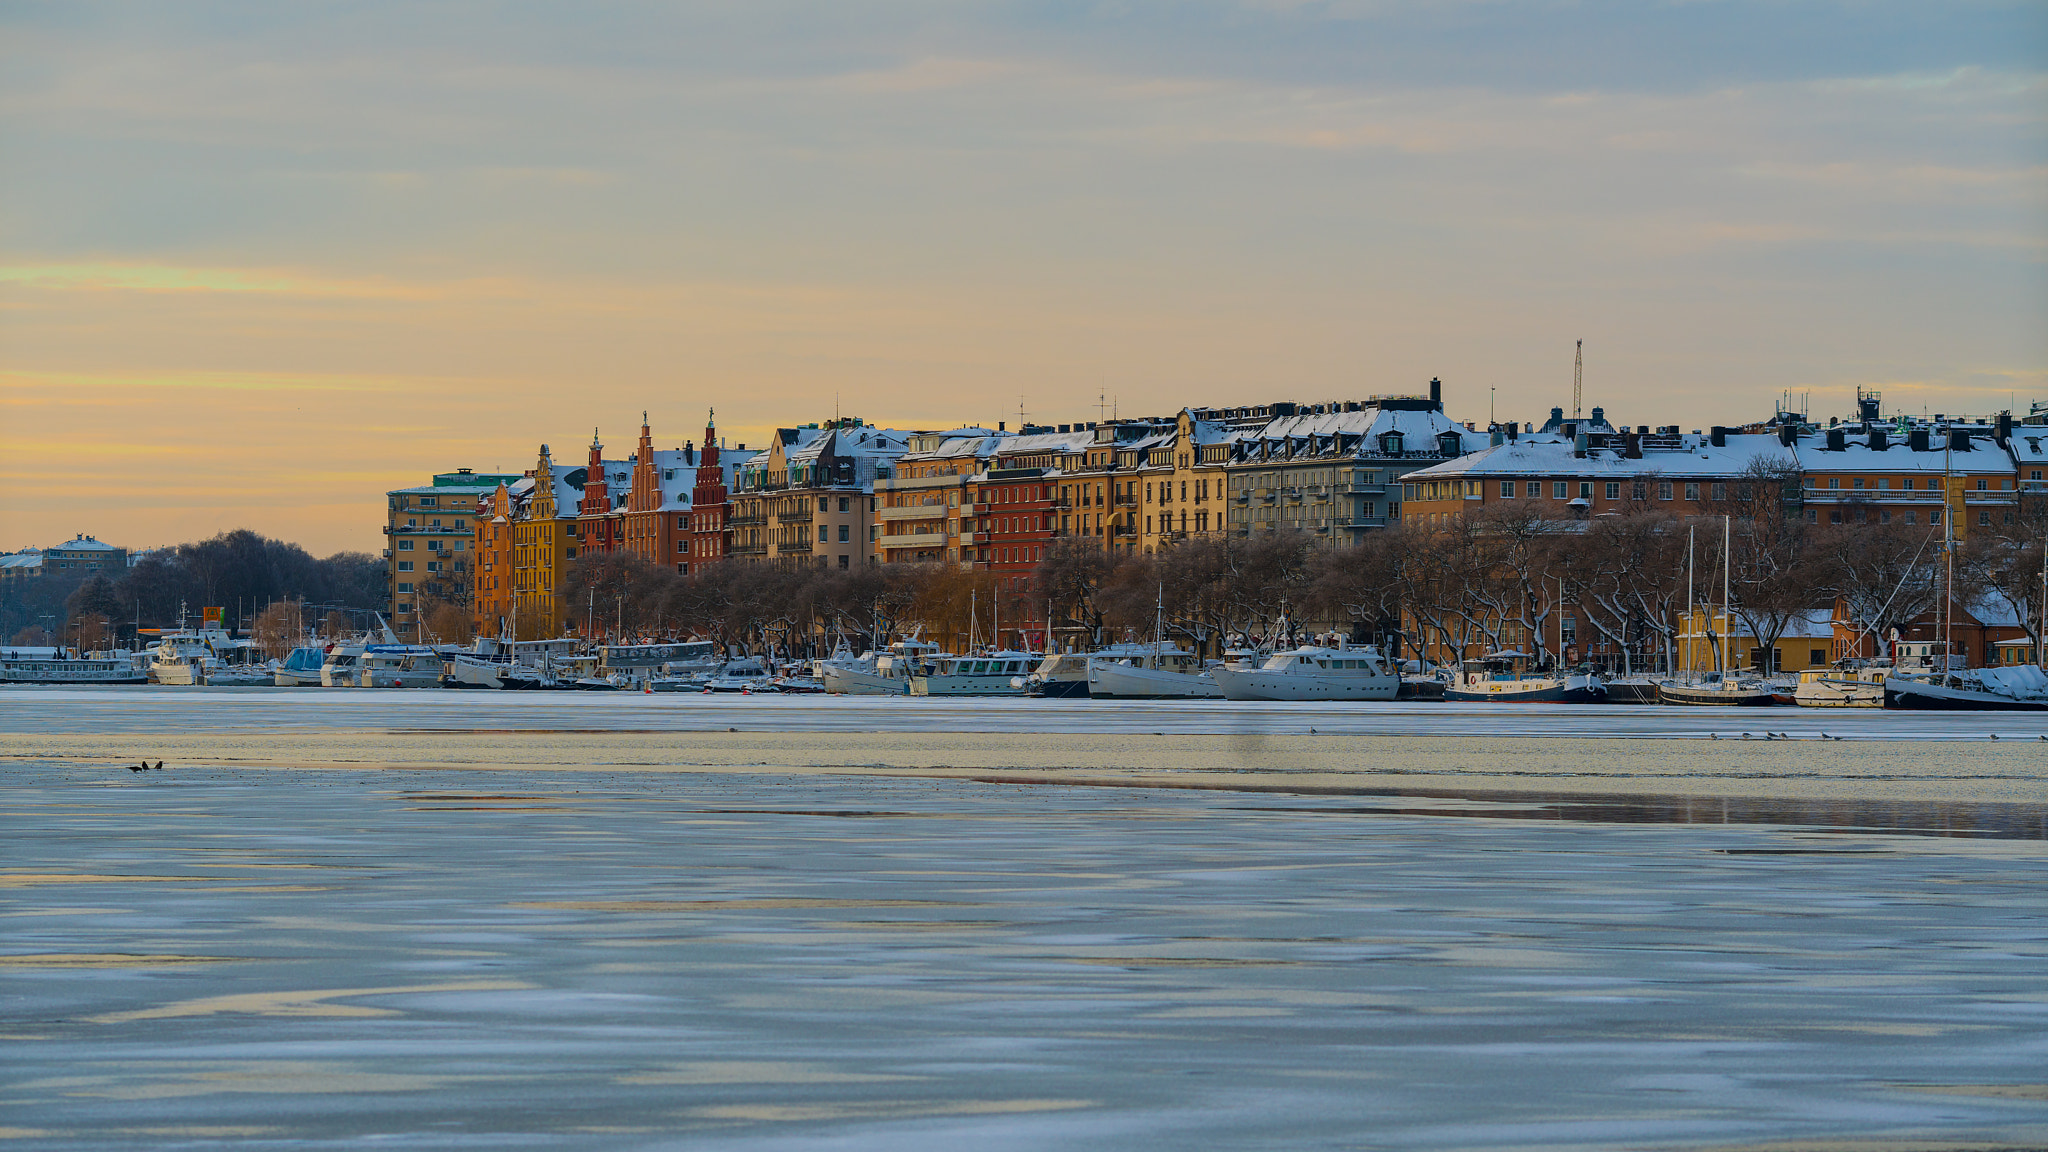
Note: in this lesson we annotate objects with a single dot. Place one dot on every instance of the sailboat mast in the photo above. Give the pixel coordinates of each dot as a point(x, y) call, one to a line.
point(1726, 531)
point(1691, 621)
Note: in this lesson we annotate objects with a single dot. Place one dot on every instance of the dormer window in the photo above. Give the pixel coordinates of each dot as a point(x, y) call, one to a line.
point(1391, 443)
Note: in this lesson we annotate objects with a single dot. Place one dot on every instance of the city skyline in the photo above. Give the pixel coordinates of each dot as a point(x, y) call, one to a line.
point(264, 266)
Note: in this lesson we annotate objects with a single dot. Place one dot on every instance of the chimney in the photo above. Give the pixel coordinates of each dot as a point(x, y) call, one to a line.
point(1579, 445)
point(1570, 430)
point(1917, 440)
point(1499, 437)
point(1514, 431)
point(1718, 436)
point(1632, 446)
point(1599, 415)
point(1838, 440)
point(2004, 428)
point(1788, 435)
point(1436, 391)
point(1000, 428)
point(1878, 440)
point(1959, 439)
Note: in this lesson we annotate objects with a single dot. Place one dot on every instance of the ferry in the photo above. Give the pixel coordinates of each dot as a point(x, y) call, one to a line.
point(40, 665)
point(1312, 673)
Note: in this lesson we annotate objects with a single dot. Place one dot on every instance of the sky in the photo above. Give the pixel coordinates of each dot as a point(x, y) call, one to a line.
point(262, 262)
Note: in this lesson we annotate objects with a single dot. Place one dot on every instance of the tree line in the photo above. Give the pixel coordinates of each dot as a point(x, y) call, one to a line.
point(241, 572)
point(1498, 578)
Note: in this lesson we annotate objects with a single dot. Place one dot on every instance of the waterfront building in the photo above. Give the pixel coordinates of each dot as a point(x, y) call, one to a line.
point(544, 542)
point(428, 534)
point(924, 508)
point(600, 523)
point(1338, 470)
point(718, 469)
point(810, 499)
point(1912, 471)
point(1573, 474)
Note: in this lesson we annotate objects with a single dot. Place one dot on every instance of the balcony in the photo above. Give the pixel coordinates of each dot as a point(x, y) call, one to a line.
point(1124, 500)
point(1061, 502)
point(752, 519)
point(978, 538)
point(919, 512)
point(913, 540)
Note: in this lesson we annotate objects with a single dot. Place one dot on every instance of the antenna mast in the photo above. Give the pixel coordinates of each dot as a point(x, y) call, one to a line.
point(1578, 377)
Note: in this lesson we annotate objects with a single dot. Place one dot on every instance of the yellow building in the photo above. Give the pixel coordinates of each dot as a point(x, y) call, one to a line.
point(543, 545)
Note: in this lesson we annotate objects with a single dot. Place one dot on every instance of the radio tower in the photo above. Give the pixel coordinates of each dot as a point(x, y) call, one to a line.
point(1578, 376)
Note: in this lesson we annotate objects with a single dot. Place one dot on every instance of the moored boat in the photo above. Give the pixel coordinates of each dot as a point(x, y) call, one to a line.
point(1841, 687)
point(1312, 673)
point(1504, 678)
point(1716, 692)
point(977, 674)
point(1154, 673)
point(2021, 688)
point(48, 665)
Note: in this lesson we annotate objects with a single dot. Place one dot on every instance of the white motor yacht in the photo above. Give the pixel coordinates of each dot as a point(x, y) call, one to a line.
point(1064, 675)
point(746, 674)
point(400, 666)
point(980, 674)
point(1157, 672)
point(889, 675)
point(1312, 673)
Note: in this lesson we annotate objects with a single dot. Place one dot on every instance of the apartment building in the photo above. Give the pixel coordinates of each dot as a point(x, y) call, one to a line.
point(428, 534)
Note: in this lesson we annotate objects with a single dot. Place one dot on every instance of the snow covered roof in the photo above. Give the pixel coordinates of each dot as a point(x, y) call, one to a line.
point(1857, 455)
point(84, 544)
point(1682, 457)
point(2029, 445)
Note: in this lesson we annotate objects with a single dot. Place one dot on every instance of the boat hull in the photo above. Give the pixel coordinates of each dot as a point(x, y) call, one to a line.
point(1552, 694)
point(1688, 696)
point(1843, 694)
point(855, 682)
point(1255, 684)
point(1123, 682)
point(994, 684)
point(1065, 690)
point(1938, 698)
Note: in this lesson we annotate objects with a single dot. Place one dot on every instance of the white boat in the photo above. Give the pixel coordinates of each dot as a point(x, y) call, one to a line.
point(743, 675)
point(1504, 678)
point(1312, 673)
point(2020, 688)
point(43, 665)
point(1842, 687)
point(889, 674)
point(1064, 675)
point(470, 670)
point(301, 667)
point(1158, 672)
point(979, 674)
point(339, 669)
point(400, 666)
point(179, 660)
point(637, 665)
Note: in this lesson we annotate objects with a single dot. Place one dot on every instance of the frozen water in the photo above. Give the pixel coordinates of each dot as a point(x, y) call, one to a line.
point(546, 947)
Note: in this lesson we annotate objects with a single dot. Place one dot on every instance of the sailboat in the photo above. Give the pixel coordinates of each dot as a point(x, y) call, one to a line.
point(1158, 671)
point(1721, 688)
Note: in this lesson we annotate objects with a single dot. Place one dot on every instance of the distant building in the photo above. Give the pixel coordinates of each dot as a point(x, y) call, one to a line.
point(428, 533)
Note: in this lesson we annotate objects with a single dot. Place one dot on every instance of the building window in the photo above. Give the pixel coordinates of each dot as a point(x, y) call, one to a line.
point(1507, 489)
point(1692, 491)
point(1557, 490)
point(1720, 490)
point(571, 553)
point(1934, 515)
point(1586, 489)
point(682, 546)
point(1834, 516)
point(1983, 518)
point(1884, 483)
point(428, 501)
point(1857, 484)
point(824, 532)
point(844, 560)
point(846, 533)
point(405, 545)
point(1884, 516)
point(1663, 489)
point(433, 566)
point(405, 565)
